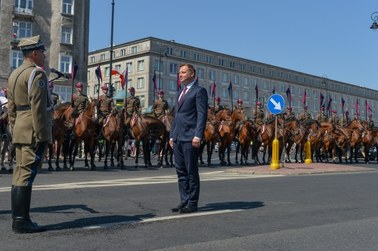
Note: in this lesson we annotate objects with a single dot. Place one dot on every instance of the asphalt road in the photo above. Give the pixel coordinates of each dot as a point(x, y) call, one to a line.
point(130, 210)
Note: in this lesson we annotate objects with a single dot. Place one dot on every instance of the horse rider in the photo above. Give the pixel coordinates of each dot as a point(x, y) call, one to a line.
point(346, 119)
point(54, 96)
point(334, 119)
point(289, 116)
point(369, 121)
point(106, 104)
point(160, 106)
point(79, 100)
point(239, 124)
point(305, 114)
point(258, 114)
point(239, 103)
point(132, 104)
point(322, 117)
point(218, 107)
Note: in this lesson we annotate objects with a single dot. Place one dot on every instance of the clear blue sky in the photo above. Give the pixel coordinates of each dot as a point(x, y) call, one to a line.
point(324, 38)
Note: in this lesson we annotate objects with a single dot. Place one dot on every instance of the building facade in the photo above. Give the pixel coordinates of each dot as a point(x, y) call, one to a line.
point(64, 28)
point(250, 80)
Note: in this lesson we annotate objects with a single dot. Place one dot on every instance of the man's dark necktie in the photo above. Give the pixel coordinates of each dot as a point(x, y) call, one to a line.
point(182, 96)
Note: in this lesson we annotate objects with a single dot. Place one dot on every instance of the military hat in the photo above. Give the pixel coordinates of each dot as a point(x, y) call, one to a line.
point(31, 44)
point(161, 92)
point(132, 89)
point(104, 87)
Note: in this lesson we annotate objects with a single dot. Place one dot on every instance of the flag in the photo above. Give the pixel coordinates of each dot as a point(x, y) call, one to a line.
point(288, 95)
point(257, 92)
point(212, 90)
point(74, 71)
point(274, 90)
point(357, 106)
point(125, 78)
point(304, 98)
point(178, 82)
point(368, 108)
point(115, 72)
point(230, 90)
point(321, 99)
point(98, 73)
point(342, 104)
point(154, 81)
point(329, 106)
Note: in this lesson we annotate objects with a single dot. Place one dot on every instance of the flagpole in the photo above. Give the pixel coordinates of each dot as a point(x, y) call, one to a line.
point(111, 51)
point(72, 80)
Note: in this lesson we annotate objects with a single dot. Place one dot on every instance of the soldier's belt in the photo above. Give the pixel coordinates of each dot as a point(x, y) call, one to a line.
point(20, 108)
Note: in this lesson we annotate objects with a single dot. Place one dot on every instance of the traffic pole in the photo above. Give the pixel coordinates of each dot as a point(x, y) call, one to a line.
point(275, 164)
point(307, 149)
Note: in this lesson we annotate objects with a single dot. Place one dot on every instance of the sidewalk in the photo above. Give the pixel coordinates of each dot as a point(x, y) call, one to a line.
point(300, 169)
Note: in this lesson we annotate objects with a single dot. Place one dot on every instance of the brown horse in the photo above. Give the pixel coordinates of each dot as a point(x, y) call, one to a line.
point(211, 136)
point(112, 132)
point(296, 134)
point(84, 130)
point(226, 131)
point(369, 138)
point(246, 135)
point(143, 129)
point(355, 129)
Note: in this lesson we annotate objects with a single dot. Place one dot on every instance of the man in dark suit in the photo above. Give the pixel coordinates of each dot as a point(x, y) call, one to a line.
point(186, 135)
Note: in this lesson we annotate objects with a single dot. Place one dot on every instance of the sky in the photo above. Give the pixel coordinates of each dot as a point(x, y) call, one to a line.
point(325, 38)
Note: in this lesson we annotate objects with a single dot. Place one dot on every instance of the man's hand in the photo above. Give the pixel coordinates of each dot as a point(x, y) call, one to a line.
point(196, 142)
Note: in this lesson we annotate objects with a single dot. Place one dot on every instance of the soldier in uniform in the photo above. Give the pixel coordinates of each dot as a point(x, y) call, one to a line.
point(30, 117)
point(289, 116)
point(218, 107)
point(334, 119)
point(106, 105)
point(370, 122)
point(322, 117)
point(304, 115)
point(239, 103)
point(346, 119)
point(54, 97)
point(258, 114)
point(160, 106)
point(132, 104)
point(79, 100)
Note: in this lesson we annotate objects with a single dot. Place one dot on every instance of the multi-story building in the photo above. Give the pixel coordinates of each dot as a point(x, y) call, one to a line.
point(64, 28)
point(150, 56)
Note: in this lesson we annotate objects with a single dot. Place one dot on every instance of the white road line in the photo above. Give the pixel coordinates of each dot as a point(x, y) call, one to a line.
point(209, 176)
point(164, 218)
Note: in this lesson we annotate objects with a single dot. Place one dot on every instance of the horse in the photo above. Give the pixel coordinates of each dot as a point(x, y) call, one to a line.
point(296, 134)
point(84, 130)
point(355, 128)
point(6, 145)
point(112, 132)
point(246, 135)
point(238, 117)
point(143, 129)
point(165, 150)
point(226, 131)
point(60, 133)
point(211, 136)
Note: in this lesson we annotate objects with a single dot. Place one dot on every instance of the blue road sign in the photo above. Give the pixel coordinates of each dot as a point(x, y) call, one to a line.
point(276, 104)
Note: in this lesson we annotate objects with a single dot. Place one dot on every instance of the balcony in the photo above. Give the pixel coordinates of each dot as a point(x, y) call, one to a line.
point(23, 12)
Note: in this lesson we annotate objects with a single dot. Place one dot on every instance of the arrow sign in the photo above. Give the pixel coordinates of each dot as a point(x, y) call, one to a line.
point(276, 104)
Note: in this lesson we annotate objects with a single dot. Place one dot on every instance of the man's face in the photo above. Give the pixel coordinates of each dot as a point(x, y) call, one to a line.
point(39, 57)
point(186, 76)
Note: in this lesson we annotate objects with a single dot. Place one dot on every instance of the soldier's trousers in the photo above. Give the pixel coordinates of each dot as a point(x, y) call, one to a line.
point(29, 159)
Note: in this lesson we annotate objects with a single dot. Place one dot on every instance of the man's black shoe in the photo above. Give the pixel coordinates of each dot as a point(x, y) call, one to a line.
point(177, 209)
point(188, 210)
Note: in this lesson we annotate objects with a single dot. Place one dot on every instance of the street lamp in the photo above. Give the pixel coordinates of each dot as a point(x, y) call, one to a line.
point(374, 17)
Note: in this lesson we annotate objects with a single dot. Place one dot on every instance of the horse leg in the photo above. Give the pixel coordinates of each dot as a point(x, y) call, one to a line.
point(106, 154)
point(112, 147)
point(202, 147)
point(237, 152)
point(209, 148)
point(228, 155)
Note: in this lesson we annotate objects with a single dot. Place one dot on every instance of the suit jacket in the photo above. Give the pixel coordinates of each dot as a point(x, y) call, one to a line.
point(190, 117)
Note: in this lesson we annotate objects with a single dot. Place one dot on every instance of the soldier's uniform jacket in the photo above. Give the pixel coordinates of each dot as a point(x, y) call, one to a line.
point(106, 104)
point(132, 105)
point(218, 108)
point(334, 120)
point(345, 121)
point(80, 101)
point(259, 116)
point(370, 123)
point(303, 116)
point(321, 117)
point(29, 105)
point(160, 106)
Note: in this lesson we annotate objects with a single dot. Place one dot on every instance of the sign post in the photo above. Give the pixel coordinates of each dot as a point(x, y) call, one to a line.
point(275, 106)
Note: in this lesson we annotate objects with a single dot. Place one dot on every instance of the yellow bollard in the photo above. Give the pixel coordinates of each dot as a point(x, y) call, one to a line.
point(307, 149)
point(275, 154)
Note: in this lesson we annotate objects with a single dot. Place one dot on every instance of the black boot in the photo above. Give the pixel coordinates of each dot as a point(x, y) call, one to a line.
point(21, 196)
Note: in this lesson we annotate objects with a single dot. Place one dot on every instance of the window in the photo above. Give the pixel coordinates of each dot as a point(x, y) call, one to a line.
point(140, 83)
point(209, 59)
point(236, 79)
point(196, 56)
point(183, 54)
point(107, 71)
point(64, 92)
point(93, 59)
point(140, 65)
point(224, 77)
point(169, 51)
point(159, 83)
point(66, 35)
point(158, 65)
point(65, 63)
point(134, 49)
point(129, 67)
point(245, 81)
point(172, 85)
point(246, 96)
point(123, 52)
point(201, 73)
point(142, 101)
point(212, 75)
point(173, 68)
point(102, 57)
point(22, 29)
point(117, 67)
point(17, 59)
point(23, 6)
point(67, 7)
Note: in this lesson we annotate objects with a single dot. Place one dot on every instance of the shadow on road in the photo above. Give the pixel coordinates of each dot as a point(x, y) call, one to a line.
point(233, 205)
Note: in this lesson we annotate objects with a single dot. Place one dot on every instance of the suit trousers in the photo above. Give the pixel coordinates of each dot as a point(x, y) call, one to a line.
point(186, 161)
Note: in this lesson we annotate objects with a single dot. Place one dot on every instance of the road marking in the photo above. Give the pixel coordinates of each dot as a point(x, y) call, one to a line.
point(164, 218)
point(208, 176)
